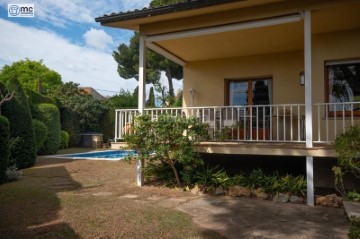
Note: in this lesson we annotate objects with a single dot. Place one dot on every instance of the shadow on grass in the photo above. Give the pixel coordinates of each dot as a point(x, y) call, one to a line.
point(29, 207)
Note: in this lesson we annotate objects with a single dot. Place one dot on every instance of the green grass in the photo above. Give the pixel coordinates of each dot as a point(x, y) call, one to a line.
point(37, 207)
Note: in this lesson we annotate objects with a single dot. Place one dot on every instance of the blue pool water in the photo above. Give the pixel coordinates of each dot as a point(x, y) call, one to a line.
point(109, 155)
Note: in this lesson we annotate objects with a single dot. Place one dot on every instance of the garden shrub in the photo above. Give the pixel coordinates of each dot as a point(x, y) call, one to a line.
point(159, 172)
point(50, 116)
point(212, 178)
point(40, 133)
point(70, 123)
point(4, 146)
point(170, 138)
point(36, 98)
point(354, 231)
point(353, 196)
point(64, 142)
point(347, 147)
point(22, 136)
point(107, 124)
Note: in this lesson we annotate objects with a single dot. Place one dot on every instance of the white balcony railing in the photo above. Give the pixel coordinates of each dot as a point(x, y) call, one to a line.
point(257, 123)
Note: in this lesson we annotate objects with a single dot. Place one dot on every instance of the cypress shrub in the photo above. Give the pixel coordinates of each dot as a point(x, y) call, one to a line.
point(36, 98)
point(22, 136)
point(4, 146)
point(107, 124)
point(70, 123)
point(40, 133)
point(50, 116)
point(64, 143)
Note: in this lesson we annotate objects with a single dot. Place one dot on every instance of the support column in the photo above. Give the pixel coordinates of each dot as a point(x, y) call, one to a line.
point(141, 100)
point(307, 72)
point(310, 180)
point(308, 107)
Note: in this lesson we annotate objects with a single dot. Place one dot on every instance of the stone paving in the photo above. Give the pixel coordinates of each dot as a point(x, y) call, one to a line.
point(246, 218)
point(253, 218)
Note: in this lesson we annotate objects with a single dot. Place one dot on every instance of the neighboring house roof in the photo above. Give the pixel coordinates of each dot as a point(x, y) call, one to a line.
point(148, 12)
point(91, 91)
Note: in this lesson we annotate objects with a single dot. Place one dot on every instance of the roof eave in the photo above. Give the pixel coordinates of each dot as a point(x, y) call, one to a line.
point(149, 12)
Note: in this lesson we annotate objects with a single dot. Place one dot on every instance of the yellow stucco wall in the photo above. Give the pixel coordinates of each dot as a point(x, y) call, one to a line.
point(208, 77)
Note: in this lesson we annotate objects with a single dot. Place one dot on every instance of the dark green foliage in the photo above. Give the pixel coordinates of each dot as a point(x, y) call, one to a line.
point(353, 196)
point(211, 178)
point(88, 109)
point(4, 146)
point(124, 100)
point(159, 172)
point(158, 3)
point(170, 138)
point(354, 231)
point(29, 73)
point(64, 142)
point(35, 98)
point(40, 133)
point(107, 124)
point(127, 58)
point(22, 136)
point(178, 99)
point(151, 101)
point(347, 147)
point(70, 123)
point(50, 116)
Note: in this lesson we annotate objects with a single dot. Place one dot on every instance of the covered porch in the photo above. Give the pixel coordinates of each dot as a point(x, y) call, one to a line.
point(226, 51)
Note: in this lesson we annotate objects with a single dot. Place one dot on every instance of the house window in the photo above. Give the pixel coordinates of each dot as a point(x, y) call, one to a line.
point(249, 92)
point(344, 86)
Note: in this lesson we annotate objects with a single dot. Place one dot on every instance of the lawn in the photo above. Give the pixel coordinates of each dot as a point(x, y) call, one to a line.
point(60, 198)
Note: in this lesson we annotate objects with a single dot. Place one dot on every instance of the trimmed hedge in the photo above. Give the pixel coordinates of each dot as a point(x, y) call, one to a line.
point(64, 143)
point(70, 123)
point(22, 136)
point(50, 116)
point(4, 147)
point(40, 133)
point(107, 124)
point(35, 98)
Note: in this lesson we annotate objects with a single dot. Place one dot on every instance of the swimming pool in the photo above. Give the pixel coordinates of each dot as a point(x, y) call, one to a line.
point(100, 155)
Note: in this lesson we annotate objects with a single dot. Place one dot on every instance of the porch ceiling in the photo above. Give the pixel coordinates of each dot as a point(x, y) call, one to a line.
point(263, 40)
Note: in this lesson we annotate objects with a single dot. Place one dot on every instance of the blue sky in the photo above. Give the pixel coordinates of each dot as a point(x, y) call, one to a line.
point(66, 37)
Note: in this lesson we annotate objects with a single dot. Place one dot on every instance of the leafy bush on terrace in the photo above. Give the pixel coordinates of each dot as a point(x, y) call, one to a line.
point(170, 139)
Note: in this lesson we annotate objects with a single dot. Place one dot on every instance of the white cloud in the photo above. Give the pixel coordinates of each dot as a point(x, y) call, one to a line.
point(89, 67)
point(61, 13)
point(98, 39)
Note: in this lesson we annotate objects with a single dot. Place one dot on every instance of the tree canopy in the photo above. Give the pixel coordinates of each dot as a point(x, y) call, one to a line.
point(127, 58)
point(85, 106)
point(125, 99)
point(33, 75)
